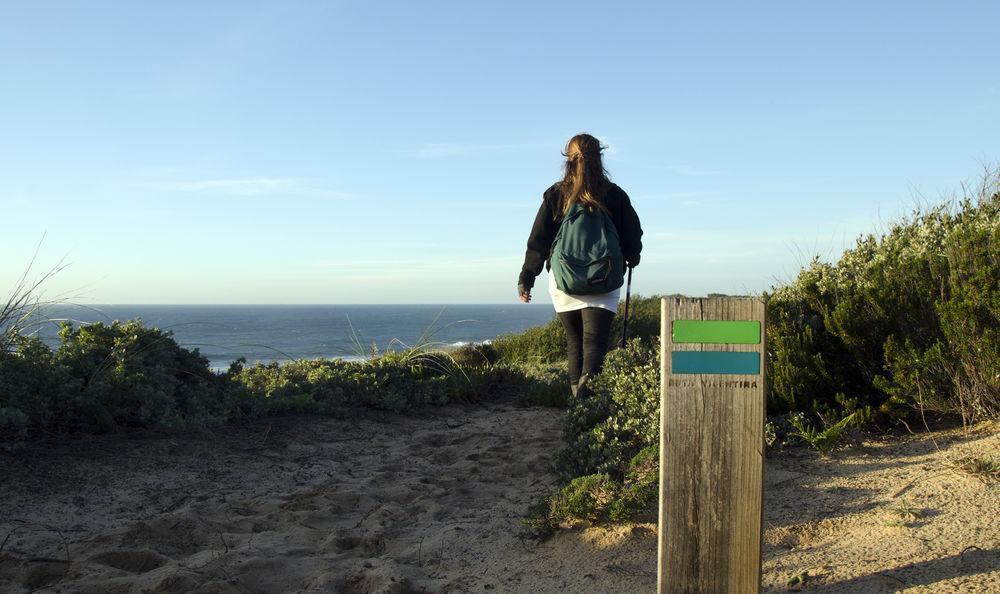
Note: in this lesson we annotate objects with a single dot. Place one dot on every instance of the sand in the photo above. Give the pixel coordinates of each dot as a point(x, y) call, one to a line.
point(430, 503)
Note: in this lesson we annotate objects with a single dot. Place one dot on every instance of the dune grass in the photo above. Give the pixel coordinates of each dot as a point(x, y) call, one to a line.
point(985, 469)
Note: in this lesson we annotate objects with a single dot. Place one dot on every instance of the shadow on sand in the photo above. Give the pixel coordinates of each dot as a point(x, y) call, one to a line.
point(970, 562)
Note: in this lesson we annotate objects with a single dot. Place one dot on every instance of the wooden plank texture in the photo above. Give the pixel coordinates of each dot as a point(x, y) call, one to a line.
point(711, 460)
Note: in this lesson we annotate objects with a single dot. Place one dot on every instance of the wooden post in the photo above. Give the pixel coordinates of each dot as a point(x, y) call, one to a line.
point(711, 444)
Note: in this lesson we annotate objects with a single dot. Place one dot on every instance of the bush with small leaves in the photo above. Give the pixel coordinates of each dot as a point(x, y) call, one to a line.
point(905, 321)
point(620, 416)
point(598, 497)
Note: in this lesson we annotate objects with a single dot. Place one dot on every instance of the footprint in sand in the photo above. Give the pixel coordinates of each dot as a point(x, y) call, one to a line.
point(171, 536)
point(345, 540)
point(139, 561)
point(515, 470)
point(370, 543)
point(43, 574)
point(499, 449)
point(398, 493)
point(383, 478)
point(463, 439)
point(431, 439)
point(443, 457)
point(341, 499)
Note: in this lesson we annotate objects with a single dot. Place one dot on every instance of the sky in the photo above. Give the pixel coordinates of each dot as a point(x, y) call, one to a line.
point(396, 152)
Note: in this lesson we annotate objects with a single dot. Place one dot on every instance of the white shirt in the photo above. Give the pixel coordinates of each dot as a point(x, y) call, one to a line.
point(566, 302)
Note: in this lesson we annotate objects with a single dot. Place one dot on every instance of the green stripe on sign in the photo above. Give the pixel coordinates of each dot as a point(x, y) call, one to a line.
point(716, 331)
point(721, 362)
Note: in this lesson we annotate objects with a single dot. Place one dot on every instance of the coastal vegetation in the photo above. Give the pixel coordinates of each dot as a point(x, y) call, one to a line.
point(904, 327)
point(124, 375)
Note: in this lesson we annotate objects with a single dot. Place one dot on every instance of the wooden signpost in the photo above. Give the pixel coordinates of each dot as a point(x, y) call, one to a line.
point(711, 444)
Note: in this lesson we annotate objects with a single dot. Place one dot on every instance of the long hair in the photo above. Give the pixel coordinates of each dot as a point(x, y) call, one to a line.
point(585, 180)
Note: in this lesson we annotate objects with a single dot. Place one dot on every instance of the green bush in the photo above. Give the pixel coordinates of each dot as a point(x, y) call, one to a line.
point(823, 440)
point(906, 321)
point(618, 419)
point(389, 382)
point(598, 497)
point(475, 355)
point(541, 344)
point(809, 368)
point(970, 314)
point(609, 465)
point(136, 376)
point(394, 382)
point(640, 487)
point(34, 390)
point(643, 318)
point(102, 377)
point(539, 384)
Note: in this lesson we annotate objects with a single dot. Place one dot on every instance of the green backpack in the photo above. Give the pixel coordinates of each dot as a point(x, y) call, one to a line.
point(586, 253)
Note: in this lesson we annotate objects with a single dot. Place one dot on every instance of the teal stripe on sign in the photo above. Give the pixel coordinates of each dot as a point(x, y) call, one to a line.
point(722, 362)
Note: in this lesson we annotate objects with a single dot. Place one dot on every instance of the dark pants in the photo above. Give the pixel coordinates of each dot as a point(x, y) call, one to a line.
point(588, 332)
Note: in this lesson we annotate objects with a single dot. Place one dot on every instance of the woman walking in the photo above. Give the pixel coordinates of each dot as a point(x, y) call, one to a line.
point(585, 191)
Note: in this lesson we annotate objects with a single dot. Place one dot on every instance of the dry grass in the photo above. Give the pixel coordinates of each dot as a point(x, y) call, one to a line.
point(22, 312)
point(980, 467)
point(904, 513)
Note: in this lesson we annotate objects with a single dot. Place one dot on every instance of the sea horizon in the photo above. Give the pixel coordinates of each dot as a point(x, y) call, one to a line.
point(266, 332)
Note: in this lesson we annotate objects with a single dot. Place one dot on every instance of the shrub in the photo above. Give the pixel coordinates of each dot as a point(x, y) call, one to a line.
point(598, 497)
point(136, 376)
point(609, 465)
point(475, 355)
point(541, 344)
point(643, 319)
point(906, 321)
point(823, 440)
point(970, 315)
point(34, 390)
point(640, 487)
point(394, 382)
point(105, 377)
point(620, 417)
point(390, 382)
point(539, 384)
point(102, 377)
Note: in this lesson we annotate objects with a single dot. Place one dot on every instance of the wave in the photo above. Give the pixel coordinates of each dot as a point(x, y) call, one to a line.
point(221, 368)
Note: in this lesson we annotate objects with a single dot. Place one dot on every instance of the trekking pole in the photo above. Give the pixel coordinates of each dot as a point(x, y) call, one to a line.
point(628, 292)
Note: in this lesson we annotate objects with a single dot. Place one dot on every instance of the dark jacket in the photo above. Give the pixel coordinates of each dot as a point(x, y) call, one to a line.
point(543, 231)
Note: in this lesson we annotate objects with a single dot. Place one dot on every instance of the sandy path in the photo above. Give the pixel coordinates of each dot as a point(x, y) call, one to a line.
point(887, 516)
point(430, 504)
point(385, 503)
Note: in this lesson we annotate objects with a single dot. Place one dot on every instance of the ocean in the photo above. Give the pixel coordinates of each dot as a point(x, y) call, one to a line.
point(267, 333)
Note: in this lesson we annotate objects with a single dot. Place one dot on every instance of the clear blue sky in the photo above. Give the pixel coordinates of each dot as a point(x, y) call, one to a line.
point(396, 152)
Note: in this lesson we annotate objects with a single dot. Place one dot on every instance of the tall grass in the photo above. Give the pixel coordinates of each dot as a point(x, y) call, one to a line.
point(23, 311)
